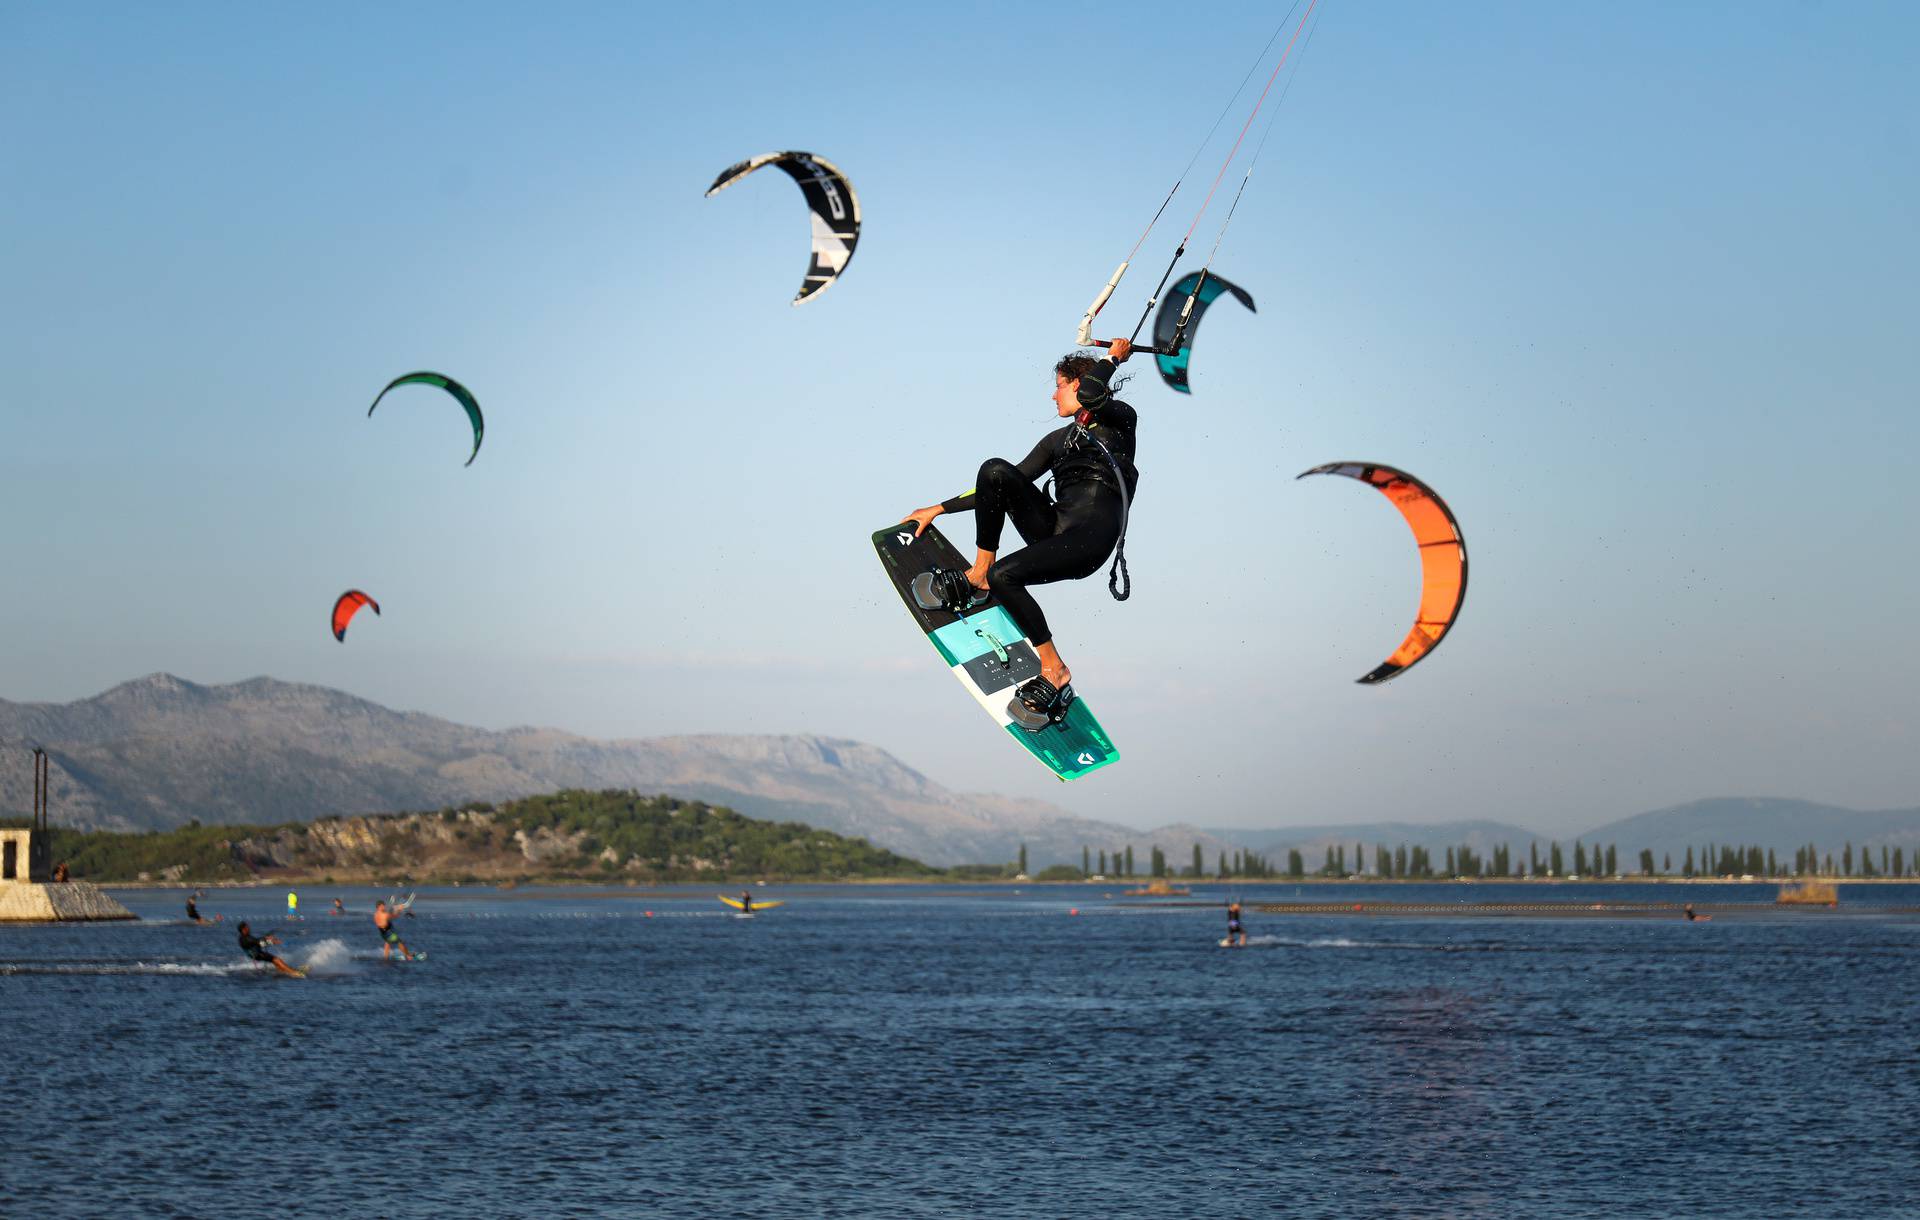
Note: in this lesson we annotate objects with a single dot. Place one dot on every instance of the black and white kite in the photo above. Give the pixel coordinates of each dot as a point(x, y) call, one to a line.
point(831, 201)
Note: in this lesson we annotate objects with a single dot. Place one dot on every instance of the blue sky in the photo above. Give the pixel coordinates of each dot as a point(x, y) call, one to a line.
point(1631, 285)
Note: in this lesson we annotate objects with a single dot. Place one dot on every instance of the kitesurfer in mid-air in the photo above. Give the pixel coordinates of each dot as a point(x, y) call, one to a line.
point(389, 935)
point(1068, 537)
point(255, 947)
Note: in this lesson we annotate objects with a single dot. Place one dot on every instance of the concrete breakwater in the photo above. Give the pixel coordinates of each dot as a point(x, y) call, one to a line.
point(57, 902)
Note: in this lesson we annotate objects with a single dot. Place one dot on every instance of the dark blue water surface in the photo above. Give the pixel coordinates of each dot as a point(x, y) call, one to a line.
point(955, 1052)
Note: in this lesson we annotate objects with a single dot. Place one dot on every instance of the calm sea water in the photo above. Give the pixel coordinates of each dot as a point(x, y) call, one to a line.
point(956, 1052)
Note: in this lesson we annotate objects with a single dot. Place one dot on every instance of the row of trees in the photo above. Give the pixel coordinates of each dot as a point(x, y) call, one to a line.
point(1096, 864)
point(1408, 863)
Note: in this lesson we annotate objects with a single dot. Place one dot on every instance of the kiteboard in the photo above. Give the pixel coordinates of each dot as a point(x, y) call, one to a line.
point(738, 905)
point(990, 655)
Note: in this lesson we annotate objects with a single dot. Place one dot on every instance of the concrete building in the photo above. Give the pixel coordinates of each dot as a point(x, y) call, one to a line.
point(28, 893)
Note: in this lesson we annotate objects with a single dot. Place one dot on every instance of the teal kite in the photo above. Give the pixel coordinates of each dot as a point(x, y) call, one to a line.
point(459, 392)
point(1179, 321)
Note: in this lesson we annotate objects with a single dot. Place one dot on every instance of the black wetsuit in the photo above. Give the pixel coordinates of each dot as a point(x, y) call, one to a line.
point(1233, 924)
point(193, 912)
point(1070, 537)
point(255, 947)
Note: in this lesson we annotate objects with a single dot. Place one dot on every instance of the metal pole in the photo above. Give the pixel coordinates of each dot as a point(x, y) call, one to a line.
point(40, 852)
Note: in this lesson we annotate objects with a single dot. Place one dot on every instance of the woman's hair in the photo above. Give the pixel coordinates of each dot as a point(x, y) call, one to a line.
point(1075, 365)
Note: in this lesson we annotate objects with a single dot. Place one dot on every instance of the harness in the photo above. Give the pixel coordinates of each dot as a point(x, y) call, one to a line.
point(1119, 582)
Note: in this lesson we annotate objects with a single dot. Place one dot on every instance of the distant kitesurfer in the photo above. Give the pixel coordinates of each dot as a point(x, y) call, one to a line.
point(255, 947)
point(293, 905)
point(1234, 927)
point(193, 909)
point(746, 902)
point(1091, 461)
point(1691, 914)
point(337, 908)
point(389, 935)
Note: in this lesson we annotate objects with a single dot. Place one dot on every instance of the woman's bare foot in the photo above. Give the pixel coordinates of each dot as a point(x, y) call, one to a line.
point(977, 574)
point(1052, 668)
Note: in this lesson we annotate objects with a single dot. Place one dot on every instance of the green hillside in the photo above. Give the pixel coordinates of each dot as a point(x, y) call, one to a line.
point(569, 835)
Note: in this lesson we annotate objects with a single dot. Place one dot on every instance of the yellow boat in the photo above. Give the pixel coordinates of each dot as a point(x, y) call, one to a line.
point(1158, 888)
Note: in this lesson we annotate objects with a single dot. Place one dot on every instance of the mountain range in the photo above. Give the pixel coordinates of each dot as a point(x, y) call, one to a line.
point(160, 751)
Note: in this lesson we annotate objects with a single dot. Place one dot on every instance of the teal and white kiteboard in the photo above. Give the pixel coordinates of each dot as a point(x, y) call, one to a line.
point(990, 655)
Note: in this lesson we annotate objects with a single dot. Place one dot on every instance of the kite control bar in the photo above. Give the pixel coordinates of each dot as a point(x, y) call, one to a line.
point(1137, 349)
point(1085, 335)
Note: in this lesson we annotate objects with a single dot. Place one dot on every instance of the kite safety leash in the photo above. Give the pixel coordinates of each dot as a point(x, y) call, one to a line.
point(1119, 583)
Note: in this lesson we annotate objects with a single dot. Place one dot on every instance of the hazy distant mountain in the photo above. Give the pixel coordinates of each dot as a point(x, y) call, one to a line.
point(159, 751)
point(1766, 822)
